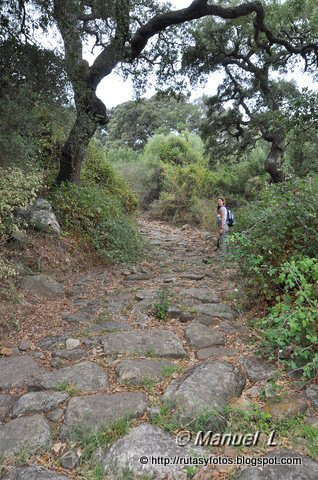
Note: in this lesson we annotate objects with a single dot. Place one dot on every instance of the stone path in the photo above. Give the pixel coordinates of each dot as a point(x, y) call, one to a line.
point(117, 361)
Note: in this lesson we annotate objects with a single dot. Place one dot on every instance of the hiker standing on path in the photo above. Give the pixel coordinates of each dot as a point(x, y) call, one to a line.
point(222, 224)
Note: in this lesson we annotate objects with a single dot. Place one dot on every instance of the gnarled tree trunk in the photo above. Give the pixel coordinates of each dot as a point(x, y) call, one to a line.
point(274, 161)
point(89, 117)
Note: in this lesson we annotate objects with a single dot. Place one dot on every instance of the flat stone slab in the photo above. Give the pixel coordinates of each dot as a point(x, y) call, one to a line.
point(85, 414)
point(137, 277)
point(86, 376)
point(33, 473)
point(204, 295)
point(74, 354)
point(79, 317)
point(18, 371)
point(215, 352)
point(43, 286)
point(35, 402)
point(232, 327)
point(192, 276)
point(209, 386)
point(308, 470)
point(145, 293)
point(137, 372)
point(207, 313)
point(162, 343)
point(200, 336)
point(108, 327)
point(145, 441)
point(24, 434)
point(257, 369)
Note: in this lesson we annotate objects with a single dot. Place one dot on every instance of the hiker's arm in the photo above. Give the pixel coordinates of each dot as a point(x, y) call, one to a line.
point(222, 219)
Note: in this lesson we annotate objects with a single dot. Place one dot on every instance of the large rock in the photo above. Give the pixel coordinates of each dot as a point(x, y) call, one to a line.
point(32, 473)
point(201, 336)
point(145, 441)
point(40, 216)
point(209, 313)
point(34, 402)
point(44, 221)
point(42, 286)
point(24, 434)
point(257, 369)
point(307, 470)
point(209, 386)
point(86, 414)
point(204, 295)
point(86, 376)
point(162, 343)
point(18, 372)
point(136, 372)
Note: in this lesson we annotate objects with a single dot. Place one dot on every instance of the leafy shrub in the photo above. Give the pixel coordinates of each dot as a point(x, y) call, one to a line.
point(282, 223)
point(17, 189)
point(144, 178)
point(291, 325)
point(121, 155)
point(187, 187)
point(175, 149)
point(98, 171)
point(99, 218)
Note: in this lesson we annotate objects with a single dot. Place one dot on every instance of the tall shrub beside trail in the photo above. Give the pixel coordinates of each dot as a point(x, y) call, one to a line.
point(99, 210)
point(277, 247)
point(281, 224)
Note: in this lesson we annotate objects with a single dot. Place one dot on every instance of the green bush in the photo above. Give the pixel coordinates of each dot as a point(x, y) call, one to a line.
point(290, 328)
point(175, 149)
point(98, 218)
point(97, 170)
point(281, 224)
point(17, 189)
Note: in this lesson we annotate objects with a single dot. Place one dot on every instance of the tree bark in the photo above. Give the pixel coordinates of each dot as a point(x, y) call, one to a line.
point(274, 161)
point(91, 113)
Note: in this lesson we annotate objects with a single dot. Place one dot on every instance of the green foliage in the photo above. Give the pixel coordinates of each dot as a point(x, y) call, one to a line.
point(98, 218)
point(291, 324)
point(33, 104)
point(17, 189)
point(280, 224)
point(90, 442)
point(175, 149)
point(162, 305)
point(166, 418)
point(98, 171)
point(69, 388)
point(254, 419)
point(276, 247)
point(134, 122)
point(97, 211)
